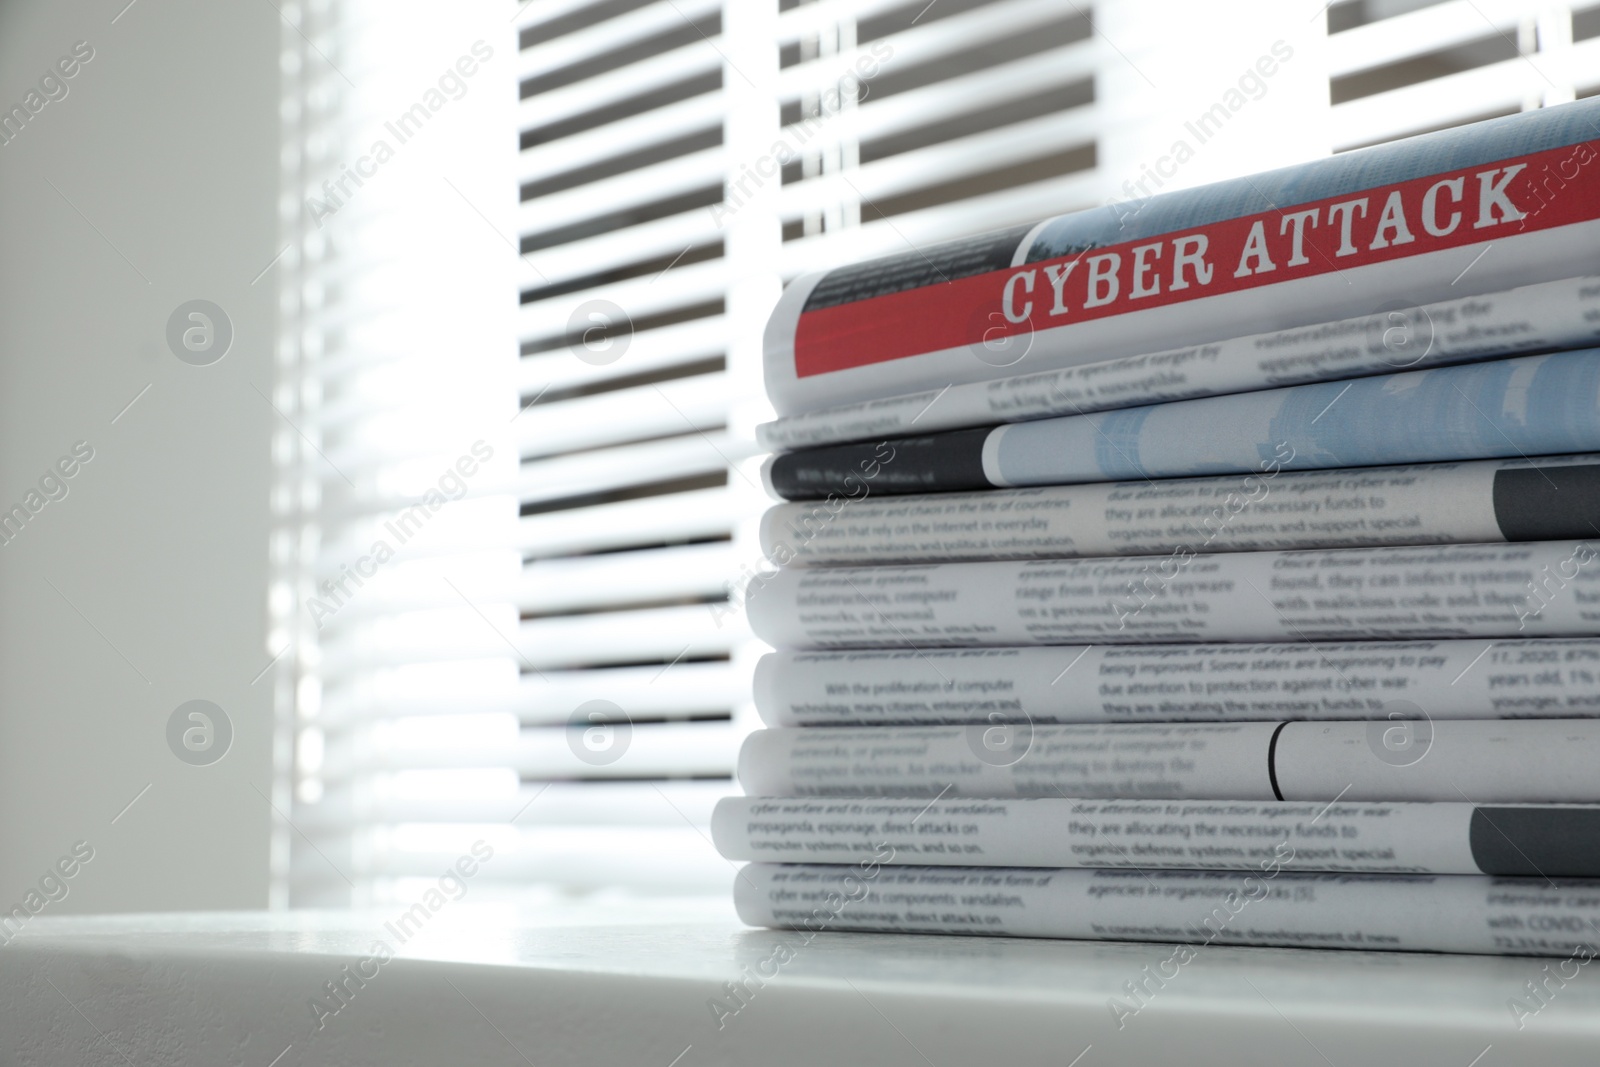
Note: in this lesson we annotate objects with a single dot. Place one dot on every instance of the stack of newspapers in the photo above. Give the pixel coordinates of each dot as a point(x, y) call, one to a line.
point(1207, 568)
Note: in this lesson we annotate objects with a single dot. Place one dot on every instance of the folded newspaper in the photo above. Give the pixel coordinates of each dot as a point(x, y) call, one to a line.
point(1410, 757)
point(1553, 840)
point(1545, 499)
point(1535, 589)
point(1398, 225)
point(1530, 318)
point(1272, 905)
point(1461, 679)
point(1519, 407)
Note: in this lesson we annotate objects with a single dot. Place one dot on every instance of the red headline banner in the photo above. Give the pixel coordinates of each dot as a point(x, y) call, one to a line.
point(1541, 191)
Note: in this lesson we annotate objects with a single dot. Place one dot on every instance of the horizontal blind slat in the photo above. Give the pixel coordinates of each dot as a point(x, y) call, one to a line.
point(905, 232)
point(649, 351)
point(665, 237)
point(929, 42)
point(1454, 98)
point(658, 181)
point(658, 634)
point(551, 696)
point(652, 749)
point(877, 117)
point(569, 102)
point(1429, 29)
point(681, 516)
point(645, 411)
point(958, 158)
point(688, 572)
point(593, 41)
point(687, 285)
point(535, 806)
point(604, 142)
point(610, 469)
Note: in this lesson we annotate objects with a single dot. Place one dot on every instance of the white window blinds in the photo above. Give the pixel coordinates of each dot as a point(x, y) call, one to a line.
point(574, 273)
point(394, 548)
point(1399, 67)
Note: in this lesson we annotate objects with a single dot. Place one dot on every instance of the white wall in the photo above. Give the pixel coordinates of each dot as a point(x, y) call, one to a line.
point(145, 586)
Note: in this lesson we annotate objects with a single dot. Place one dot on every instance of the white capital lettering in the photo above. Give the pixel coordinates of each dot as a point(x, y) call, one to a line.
point(1103, 284)
point(1430, 207)
point(1297, 220)
point(1255, 247)
point(1492, 197)
point(1141, 268)
point(1344, 212)
point(1393, 218)
point(1190, 251)
point(1058, 274)
point(1008, 297)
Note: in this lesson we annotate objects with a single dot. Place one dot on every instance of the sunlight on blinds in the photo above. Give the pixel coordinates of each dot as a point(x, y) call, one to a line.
point(531, 249)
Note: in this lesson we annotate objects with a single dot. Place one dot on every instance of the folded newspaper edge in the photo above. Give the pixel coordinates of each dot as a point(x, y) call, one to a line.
point(1529, 318)
point(1545, 499)
point(1405, 758)
point(1530, 589)
point(1273, 906)
point(1465, 679)
point(1521, 406)
point(1535, 840)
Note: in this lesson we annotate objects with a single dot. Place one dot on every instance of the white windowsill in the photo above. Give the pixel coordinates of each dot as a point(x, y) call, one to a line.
point(629, 983)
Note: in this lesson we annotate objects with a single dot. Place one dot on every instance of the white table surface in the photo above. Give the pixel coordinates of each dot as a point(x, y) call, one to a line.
point(629, 982)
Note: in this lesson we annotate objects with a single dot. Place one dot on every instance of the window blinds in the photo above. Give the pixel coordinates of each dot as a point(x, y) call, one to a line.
point(1399, 67)
point(394, 543)
point(576, 274)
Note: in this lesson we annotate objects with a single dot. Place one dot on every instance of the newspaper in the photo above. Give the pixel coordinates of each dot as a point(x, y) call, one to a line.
point(1437, 503)
point(1519, 407)
point(1272, 906)
point(1533, 589)
point(1394, 226)
point(1467, 679)
point(1445, 838)
point(1529, 318)
point(1409, 757)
